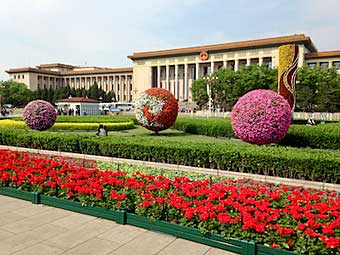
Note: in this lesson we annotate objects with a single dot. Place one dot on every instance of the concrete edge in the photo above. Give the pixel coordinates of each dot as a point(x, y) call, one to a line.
point(217, 172)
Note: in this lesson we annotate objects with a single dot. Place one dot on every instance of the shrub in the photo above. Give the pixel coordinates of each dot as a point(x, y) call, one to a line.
point(96, 119)
point(39, 115)
point(156, 109)
point(323, 136)
point(72, 126)
point(261, 117)
point(216, 127)
point(305, 164)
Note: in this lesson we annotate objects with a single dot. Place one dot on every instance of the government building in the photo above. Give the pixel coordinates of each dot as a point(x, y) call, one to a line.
point(173, 69)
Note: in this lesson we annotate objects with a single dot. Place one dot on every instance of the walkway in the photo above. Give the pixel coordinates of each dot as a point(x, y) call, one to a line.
point(26, 229)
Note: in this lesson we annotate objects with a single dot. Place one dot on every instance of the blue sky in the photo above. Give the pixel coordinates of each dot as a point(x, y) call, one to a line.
point(104, 32)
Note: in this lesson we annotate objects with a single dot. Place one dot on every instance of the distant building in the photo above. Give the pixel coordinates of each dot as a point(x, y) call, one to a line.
point(78, 106)
point(57, 75)
point(174, 69)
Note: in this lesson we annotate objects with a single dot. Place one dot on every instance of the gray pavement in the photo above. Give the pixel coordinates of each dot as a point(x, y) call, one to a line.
point(26, 229)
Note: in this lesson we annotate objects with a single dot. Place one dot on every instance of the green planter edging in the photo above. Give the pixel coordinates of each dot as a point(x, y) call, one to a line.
point(189, 234)
point(122, 217)
point(21, 194)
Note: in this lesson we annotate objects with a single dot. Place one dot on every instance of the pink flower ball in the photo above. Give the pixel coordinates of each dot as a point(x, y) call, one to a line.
point(261, 117)
point(39, 115)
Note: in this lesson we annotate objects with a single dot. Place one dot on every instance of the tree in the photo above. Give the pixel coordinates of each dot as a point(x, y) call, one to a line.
point(230, 85)
point(318, 90)
point(93, 91)
point(14, 93)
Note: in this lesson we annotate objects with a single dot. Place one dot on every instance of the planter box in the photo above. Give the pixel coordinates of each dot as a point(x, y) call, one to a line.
point(190, 234)
point(121, 217)
point(21, 194)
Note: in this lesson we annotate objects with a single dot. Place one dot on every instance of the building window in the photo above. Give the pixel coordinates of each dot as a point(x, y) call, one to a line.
point(267, 62)
point(23, 76)
point(336, 64)
point(324, 65)
point(15, 77)
point(311, 65)
point(242, 63)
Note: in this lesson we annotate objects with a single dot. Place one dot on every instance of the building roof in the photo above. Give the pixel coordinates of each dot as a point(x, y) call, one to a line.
point(31, 70)
point(267, 42)
point(323, 54)
point(78, 100)
point(66, 73)
point(98, 71)
point(56, 65)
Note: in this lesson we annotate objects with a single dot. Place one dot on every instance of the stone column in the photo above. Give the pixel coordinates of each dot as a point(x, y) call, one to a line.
point(158, 76)
point(236, 65)
point(167, 81)
point(186, 87)
point(224, 63)
point(260, 61)
point(212, 65)
point(248, 61)
point(273, 61)
point(197, 71)
point(176, 82)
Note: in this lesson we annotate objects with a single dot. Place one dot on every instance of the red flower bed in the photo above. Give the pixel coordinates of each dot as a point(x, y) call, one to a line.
point(302, 220)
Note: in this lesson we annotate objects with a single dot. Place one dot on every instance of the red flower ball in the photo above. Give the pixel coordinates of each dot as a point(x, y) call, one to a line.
point(156, 109)
point(261, 117)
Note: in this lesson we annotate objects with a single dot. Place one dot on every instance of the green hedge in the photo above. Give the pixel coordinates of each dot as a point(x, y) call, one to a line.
point(88, 118)
point(96, 118)
point(308, 164)
point(216, 127)
point(115, 126)
point(322, 136)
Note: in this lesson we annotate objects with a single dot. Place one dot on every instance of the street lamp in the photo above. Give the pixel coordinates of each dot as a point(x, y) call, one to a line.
point(210, 78)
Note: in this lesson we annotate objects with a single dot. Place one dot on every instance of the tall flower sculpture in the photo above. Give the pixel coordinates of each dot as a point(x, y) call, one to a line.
point(156, 109)
point(287, 71)
point(39, 115)
point(261, 117)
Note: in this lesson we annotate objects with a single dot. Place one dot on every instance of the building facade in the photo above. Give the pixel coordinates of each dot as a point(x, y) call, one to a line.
point(58, 75)
point(175, 69)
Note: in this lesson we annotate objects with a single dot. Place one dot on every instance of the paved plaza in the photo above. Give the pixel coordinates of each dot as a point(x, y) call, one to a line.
point(26, 228)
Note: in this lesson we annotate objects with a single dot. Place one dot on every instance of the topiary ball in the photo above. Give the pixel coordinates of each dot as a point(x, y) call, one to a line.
point(156, 109)
point(39, 115)
point(261, 117)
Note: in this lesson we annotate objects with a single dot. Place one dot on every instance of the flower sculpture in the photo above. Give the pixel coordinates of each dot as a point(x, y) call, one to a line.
point(39, 115)
point(261, 117)
point(156, 109)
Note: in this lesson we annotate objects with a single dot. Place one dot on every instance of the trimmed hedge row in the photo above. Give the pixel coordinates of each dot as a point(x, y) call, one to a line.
point(87, 119)
point(323, 136)
point(216, 127)
point(71, 125)
point(96, 118)
point(306, 164)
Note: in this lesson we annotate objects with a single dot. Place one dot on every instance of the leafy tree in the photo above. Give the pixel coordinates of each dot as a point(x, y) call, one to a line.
point(230, 85)
point(14, 93)
point(318, 90)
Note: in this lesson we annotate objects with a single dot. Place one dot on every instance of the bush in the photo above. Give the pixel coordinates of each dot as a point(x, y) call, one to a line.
point(96, 119)
point(306, 164)
point(203, 126)
point(323, 136)
point(261, 117)
point(39, 115)
point(72, 125)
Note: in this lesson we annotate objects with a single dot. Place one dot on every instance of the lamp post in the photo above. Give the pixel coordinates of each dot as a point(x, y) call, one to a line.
point(210, 78)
